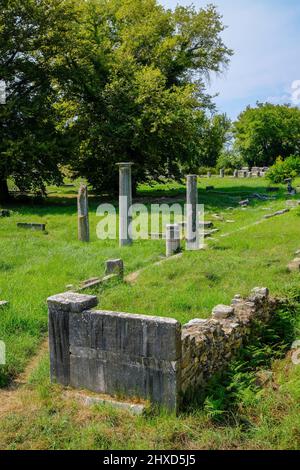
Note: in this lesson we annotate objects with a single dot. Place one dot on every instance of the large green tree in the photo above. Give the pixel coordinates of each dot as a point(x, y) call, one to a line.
point(32, 34)
point(94, 82)
point(133, 87)
point(267, 131)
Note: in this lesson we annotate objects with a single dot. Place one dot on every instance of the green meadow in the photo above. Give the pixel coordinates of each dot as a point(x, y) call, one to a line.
point(247, 251)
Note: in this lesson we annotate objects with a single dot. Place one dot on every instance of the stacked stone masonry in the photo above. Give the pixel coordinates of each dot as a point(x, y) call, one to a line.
point(209, 345)
point(142, 356)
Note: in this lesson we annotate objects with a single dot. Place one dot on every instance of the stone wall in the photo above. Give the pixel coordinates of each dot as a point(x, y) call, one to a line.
point(113, 352)
point(208, 345)
point(142, 356)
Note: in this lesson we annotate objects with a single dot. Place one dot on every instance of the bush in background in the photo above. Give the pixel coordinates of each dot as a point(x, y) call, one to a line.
point(230, 160)
point(282, 169)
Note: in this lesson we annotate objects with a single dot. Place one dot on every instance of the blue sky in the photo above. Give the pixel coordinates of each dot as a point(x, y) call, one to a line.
point(265, 36)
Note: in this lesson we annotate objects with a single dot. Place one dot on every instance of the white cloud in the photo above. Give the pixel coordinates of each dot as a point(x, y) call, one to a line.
point(265, 37)
point(295, 97)
point(291, 95)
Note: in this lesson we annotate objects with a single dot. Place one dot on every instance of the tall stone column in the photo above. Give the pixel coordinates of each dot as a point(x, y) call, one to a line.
point(83, 214)
point(192, 219)
point(222, 173)
point(125, 202)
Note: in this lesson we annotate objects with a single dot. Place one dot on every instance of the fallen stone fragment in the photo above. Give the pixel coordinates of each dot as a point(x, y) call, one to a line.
point(195, 321)
point(3, 303)
point(292, 203)
point(134, 408)
point(244, 203)
point(275, 214)
point(32, 226)
point(93, 282)
point(261, 197)
point(222, 311)
point(109, 277)
point(208, 233)
point(230, 221)
point(218, 217)
point(294, 265)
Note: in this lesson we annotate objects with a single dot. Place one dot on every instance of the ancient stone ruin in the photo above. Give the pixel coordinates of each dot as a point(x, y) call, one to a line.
point(246, 172)
point(142, 356)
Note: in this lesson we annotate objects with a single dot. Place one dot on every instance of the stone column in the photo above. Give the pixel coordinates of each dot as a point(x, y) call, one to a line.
point(172, 239)
point(83, 214)
point(125, 202)
point(60, 307)
point(235, 174)
point(222, 173)
point(208, 174)
point(192, 219)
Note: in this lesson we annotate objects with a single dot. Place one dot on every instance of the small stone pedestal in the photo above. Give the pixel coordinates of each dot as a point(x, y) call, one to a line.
point(172, 239)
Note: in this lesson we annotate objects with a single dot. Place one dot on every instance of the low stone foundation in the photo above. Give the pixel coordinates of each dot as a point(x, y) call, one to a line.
point(144, 356)
point(208, 345)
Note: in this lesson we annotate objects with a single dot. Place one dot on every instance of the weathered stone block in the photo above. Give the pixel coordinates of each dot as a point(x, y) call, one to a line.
point(136, 355)
point(114, 266)
point(260, 292)
point(294, 265)
point(222, 311)
point(32, 226)
point(59, 307)
point(135, 335)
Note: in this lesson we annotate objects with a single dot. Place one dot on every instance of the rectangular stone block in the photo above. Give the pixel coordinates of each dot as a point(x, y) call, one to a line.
point(32, 226)
point(114, 266)
point(120, 353)
point(136, 335)
point(59, 308)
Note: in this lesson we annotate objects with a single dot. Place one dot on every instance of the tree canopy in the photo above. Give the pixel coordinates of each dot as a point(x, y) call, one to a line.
point(94, 82)
point(266, 132)
point(31, 146)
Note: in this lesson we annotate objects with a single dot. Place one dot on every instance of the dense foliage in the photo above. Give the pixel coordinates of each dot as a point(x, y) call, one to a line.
point(31, 146)
point(95, 82)
point(267, 131)
point(283, 169)
point(230, 160)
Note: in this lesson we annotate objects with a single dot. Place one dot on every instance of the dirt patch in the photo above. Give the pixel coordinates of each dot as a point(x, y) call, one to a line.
point(11, 398)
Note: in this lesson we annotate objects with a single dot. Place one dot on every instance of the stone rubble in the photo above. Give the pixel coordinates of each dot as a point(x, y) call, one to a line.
point(208, 345)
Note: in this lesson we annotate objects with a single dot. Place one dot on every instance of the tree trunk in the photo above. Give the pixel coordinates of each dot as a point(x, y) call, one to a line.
point(4, 194)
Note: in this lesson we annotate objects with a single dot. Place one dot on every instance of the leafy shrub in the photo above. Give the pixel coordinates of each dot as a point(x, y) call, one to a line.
point(282, 169)
point(203, 170)
point(230, 160)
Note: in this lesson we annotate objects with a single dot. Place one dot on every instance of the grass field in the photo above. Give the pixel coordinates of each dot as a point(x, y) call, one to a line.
point(240, 256)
